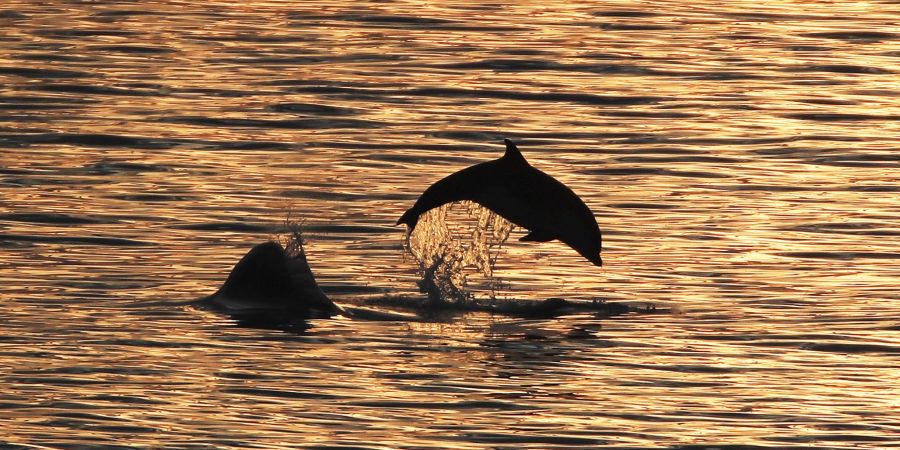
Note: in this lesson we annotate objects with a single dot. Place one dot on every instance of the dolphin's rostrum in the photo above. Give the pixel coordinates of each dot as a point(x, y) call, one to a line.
point(522, 194)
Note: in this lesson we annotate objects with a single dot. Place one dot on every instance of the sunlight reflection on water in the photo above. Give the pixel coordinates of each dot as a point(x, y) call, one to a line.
point(740, 159)
point(450, 247)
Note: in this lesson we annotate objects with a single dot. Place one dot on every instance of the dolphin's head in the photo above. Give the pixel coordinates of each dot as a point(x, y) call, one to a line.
point(588, 246)
point(270, 286)
point(586, 241)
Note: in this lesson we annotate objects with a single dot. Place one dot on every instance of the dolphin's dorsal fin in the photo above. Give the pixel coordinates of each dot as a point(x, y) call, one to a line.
point(512, 153)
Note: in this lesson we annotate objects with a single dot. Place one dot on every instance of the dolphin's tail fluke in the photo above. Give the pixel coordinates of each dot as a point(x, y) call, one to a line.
point(410, 218)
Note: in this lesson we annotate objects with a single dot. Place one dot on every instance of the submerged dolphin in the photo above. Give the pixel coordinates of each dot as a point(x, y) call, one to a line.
point(522, 194)
point(268, 281)
point(273, 288)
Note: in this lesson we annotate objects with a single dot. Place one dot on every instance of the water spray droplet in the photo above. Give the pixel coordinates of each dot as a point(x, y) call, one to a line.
point(454, 241)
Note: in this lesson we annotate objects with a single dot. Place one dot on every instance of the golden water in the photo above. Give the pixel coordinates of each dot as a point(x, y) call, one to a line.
point(741, 159)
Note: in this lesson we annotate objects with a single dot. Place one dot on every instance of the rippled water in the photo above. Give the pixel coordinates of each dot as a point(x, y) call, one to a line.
point(741, 161)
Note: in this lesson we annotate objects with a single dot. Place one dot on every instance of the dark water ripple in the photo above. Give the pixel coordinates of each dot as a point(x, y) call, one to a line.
point(842, 255)
point(263, 123)
point(654, 171)
point(84, 32)
point(526, 438)
point(53, 218)
point(82, 240)
point(39, 100)
point(591, 99)
point(135, 142)
point(397, 22)
point(39, 73)
point(854, 35)
point(466, 405)
point(315, 109)
point(141, 198)
point(841, 68)
point(89, 89)
point(851, 228)
point(138, 49)
point(24, 106)
point(526, 65)
point(240, 227)
point(843, 117)
point(257, 392)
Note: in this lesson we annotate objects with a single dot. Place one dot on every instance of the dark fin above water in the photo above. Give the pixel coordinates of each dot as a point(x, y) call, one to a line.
point(261, 273)
point(512, 153)
point(267, 283)
point(538, 236)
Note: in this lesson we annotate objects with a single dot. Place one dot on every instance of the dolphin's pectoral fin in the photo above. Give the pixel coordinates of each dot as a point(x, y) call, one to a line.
point(538, 236)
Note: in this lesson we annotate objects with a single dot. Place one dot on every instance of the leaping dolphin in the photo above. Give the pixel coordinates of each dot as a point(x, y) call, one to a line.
point(522, 194)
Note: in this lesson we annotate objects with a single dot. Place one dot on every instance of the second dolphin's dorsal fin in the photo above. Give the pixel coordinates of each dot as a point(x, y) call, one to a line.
point(512, 153)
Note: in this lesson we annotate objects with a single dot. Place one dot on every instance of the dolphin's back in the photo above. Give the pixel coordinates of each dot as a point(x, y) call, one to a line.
point(466, 184)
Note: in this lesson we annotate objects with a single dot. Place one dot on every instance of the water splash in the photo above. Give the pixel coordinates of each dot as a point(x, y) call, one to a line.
point(291, 238)
point(453, 242)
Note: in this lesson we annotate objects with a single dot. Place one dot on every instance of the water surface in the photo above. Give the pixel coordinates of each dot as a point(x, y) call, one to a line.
point(741, 161)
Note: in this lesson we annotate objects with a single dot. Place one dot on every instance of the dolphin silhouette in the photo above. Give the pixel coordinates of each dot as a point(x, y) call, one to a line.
point(522, 194)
